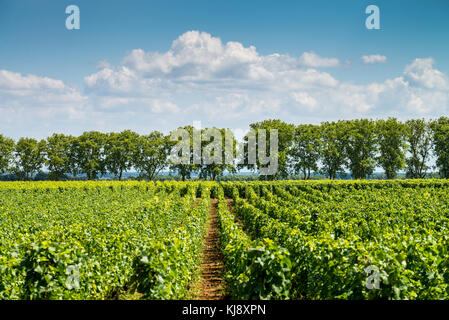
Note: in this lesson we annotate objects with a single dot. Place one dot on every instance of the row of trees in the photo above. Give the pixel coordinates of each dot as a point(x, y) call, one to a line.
point(93, 154)
point(329, 148)
point(362, 145)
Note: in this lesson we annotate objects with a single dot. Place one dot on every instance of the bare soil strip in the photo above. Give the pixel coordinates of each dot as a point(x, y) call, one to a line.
point(212, 284)
point(229, 201)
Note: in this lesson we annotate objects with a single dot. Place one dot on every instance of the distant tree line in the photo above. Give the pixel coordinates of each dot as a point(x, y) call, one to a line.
point(362, 145)
point(330, 148)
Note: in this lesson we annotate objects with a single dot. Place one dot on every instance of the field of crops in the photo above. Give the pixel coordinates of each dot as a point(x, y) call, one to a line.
point(279, 240)
point(92, 240)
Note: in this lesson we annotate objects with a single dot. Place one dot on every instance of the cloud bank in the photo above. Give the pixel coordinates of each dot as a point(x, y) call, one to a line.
point(221, 84)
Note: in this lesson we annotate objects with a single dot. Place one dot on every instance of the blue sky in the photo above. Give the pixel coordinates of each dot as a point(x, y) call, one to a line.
point(234, 62)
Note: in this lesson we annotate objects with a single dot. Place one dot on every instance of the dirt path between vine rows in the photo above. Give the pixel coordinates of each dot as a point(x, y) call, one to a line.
point(212, 284)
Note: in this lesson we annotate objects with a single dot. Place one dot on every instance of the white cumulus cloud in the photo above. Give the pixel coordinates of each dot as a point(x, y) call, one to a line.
point(221, 84)
point(198, 57)
point(374, 58)
point(422, 73)
point(311, 59)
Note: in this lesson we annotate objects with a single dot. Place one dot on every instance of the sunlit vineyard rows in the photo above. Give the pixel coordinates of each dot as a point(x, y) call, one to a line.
point(279, 240)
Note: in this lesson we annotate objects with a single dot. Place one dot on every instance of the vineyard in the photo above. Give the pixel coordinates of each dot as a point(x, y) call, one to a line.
point(277, 240)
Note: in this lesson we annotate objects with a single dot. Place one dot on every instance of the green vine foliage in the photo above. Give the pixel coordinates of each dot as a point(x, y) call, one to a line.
point(100, 240)
point(280, 240)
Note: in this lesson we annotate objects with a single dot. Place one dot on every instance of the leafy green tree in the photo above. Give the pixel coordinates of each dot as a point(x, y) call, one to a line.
point(152, 154)
point(286, 133)
point(440, 135)
point(392, 146)
point(29, 157)
point(6, 153)
point(185, 170)
point(73, 153)
point(419, 138)
point(333, 155)
point(88, 153)
point(217, 168)
point(361, 147)
point(120, 151)
point(304, 153)
point(58, 155)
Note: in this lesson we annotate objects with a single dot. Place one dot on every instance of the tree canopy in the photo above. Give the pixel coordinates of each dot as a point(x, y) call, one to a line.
point(358, 146)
